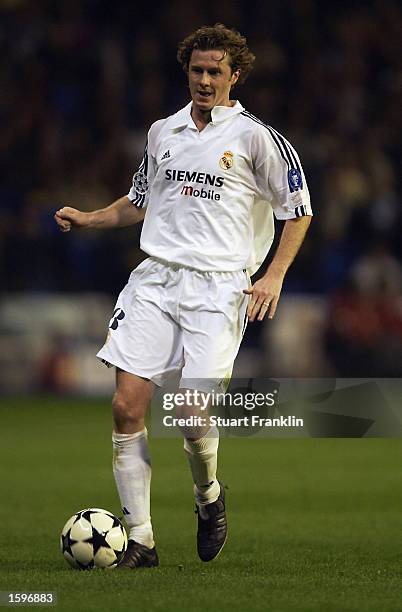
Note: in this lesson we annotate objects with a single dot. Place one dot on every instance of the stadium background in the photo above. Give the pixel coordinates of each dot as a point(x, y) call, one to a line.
point(313, 523)
point(81, 83)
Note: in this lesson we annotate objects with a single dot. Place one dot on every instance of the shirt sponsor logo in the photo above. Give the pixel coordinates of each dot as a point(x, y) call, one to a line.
point(207, 194)
point(186, 176)
point(226, 161)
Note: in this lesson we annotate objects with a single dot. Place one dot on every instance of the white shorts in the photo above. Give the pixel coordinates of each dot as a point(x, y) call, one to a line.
point(169, 319)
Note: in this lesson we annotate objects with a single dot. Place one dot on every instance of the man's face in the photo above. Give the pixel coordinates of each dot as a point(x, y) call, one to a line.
point(210, 79)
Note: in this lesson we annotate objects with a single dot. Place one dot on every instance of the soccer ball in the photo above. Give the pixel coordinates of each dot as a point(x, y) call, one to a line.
point(93, 538)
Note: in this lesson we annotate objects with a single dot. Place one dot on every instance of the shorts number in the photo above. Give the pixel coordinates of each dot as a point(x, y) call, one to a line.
point(118, 315)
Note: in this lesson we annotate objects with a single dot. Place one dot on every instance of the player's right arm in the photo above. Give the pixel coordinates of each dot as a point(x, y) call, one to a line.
point(119, 214)
point(129, 209)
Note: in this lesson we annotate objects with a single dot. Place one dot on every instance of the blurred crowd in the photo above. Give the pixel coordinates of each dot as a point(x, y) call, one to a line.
point(82, 80)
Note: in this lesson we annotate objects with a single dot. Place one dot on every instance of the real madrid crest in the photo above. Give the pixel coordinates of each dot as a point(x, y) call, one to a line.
point(226, 161)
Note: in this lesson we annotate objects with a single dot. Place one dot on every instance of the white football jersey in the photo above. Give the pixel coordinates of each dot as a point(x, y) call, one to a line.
point(211, 195)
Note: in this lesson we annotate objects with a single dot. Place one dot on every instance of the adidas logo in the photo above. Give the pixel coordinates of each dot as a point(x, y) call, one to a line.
point(166, 155)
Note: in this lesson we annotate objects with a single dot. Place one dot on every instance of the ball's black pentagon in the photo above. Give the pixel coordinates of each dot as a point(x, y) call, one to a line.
point(67, 542)
point(116, 522)
point(97, 540)
point(77, 517)
point(87, 515)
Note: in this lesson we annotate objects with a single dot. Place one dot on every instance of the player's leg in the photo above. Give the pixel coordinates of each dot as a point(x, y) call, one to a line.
point(211, 338)
point(132, 463)
point(201, 443)
point(201, 448)
point(143, 344)
point(212, 332)
point(130, 402)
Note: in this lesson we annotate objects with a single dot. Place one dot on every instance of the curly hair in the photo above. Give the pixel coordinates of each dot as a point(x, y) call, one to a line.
point(218, 37)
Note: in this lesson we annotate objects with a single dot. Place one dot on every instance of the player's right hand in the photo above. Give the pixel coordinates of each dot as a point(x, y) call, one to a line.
point(68, 217)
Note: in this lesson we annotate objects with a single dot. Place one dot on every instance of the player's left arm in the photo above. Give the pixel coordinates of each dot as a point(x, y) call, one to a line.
point(281, 181)
point(265, 292)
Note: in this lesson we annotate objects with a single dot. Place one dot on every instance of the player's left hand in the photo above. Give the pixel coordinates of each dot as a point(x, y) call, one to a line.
point(264, 295)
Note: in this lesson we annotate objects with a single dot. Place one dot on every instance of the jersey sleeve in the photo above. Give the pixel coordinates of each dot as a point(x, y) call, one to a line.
point(279, 175)
point(142, 180)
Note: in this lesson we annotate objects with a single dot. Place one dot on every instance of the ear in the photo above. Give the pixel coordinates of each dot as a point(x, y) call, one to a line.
point(235, 77)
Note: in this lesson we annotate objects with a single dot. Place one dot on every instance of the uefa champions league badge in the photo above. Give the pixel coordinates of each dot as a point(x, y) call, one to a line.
point(295, 179)
point(140, 183)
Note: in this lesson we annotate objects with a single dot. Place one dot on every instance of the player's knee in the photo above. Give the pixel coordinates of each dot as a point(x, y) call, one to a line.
point(194, 422)
point(126, 412)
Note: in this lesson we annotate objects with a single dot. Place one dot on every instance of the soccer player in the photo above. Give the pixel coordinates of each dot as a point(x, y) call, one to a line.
point(210, 181)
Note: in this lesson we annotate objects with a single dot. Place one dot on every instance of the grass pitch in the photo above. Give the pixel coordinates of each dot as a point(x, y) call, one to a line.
point(314, 524)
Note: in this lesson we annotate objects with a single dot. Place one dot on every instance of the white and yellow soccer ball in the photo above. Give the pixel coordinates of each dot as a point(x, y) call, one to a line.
point(93, 538)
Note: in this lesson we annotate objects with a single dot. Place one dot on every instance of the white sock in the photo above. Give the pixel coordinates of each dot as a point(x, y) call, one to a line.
point(202, 456)
point(132, 473)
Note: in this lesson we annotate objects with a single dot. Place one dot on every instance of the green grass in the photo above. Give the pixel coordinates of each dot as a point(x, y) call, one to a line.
point(314, 523)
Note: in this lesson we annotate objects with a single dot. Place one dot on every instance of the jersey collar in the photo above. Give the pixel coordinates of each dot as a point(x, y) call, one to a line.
point(183, 118)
